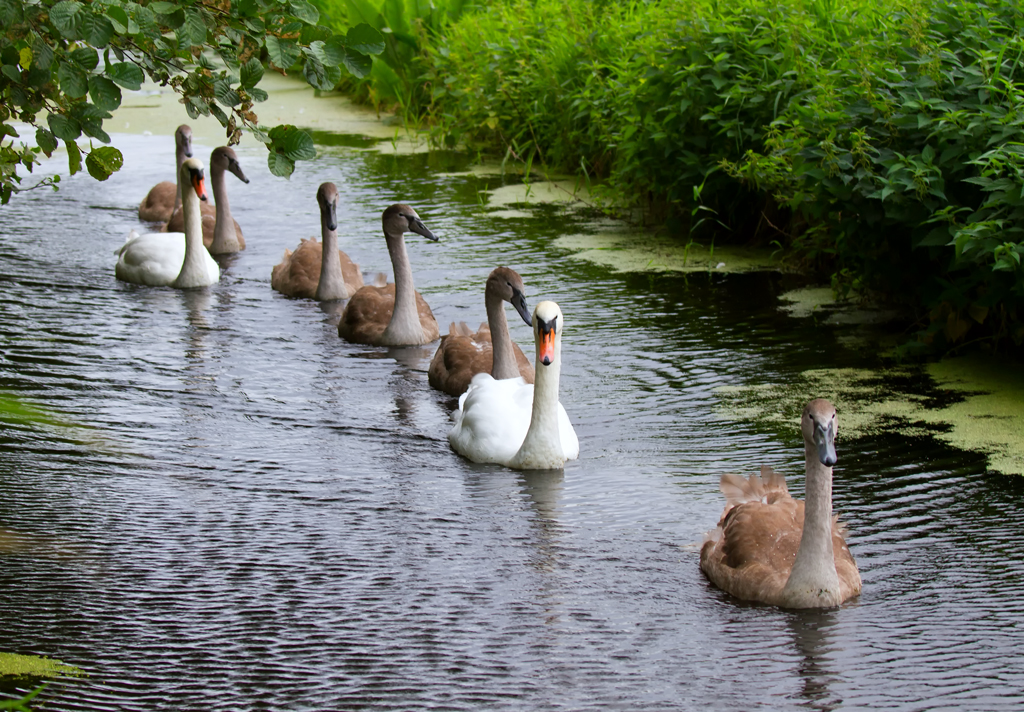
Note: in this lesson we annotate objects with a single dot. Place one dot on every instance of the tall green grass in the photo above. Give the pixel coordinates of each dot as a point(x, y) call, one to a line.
point(880, 144)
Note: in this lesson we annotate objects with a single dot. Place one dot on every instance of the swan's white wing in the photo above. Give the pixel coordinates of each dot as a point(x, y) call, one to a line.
point(566, 433)
point(153, 259)
point(492, 419)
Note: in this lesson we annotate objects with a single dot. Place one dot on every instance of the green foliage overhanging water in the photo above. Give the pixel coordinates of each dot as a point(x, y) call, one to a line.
point(882, 146)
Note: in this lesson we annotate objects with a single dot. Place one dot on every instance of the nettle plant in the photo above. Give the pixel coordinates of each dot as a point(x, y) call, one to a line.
point(63, 66)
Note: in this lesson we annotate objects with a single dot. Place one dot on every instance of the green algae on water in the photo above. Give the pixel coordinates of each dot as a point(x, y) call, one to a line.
point(625, 250)
point(864, 399)
point(821, 301)
point(987, 417)
point(534, 192)
point(12, 664)
point(990, 418)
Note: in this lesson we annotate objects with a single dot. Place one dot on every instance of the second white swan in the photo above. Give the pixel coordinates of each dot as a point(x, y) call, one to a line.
point(512, 423)
point(173, 259)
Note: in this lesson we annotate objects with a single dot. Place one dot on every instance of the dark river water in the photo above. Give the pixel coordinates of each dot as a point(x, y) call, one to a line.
point(252, 514)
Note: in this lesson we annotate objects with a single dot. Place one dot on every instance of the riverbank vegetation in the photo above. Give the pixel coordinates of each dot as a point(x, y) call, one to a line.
point(881, 146)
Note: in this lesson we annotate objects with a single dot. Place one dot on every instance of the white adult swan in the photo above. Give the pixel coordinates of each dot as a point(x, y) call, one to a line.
point(513, 423)
point(172, 259)
point(396, 314)
point(772, 548)
point(222, 234)
point(165, 197)
point(305, 273)
point(462, 353)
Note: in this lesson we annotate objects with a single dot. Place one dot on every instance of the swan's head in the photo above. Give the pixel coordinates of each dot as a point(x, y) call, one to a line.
point(327, 197)
point(547, 329)
point(224, 159)
point(193, 174)
point(819, 427)
point(183, 139)
point(506, 284)
point(400, 219)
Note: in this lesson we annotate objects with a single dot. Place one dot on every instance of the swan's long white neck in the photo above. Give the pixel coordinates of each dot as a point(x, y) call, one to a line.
point(542, 447)
point(225, 239)
point(813, 581)
point(179, 158)
point(404, 327)
point(503, 364)
point(193, 269)
point(332, 282)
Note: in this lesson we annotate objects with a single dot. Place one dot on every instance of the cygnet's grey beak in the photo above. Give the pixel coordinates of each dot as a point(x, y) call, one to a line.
point(824, 439)
point(519, 302)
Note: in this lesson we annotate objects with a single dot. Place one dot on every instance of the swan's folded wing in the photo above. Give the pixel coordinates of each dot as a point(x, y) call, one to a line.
point(492, 419)
point(367, 314)
point(298, 274)
point(566, 433)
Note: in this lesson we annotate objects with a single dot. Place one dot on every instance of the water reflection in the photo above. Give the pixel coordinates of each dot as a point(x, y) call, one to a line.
point(813, 634)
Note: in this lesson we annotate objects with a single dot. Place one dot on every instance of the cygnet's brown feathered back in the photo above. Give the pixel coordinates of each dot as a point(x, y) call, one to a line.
point(464, 353)
point(298, 273)
point(750, 554)
point(369, 311)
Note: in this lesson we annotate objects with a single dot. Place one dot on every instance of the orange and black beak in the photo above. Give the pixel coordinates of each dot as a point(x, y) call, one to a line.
point(199, 183)
point(546, 340)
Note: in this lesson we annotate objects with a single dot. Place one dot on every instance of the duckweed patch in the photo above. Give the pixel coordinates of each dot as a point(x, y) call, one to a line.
point(989, 418)
point(548, 191)
point(820, 300)
point(630, 251)
point(36, 666)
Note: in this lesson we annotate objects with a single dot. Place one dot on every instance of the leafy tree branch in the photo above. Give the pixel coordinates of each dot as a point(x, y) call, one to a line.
point(68, 61)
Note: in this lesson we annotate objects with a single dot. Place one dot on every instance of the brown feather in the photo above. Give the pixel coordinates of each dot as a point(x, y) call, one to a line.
point(368, 314)
point(462, 354)
point(209, 212)
point(298, 273)
point(751, 553)
point(159, 202)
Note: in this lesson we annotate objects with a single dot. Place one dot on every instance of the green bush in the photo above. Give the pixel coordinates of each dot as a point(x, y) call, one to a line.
point(881, 146)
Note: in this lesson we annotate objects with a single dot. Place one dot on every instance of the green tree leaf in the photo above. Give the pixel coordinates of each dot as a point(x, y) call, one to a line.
point(104, 161)
point(358, 64)
point(316, 74)
point(104, 93)
point(119, 19)
point(64, 16)
point(74, 156)
point(193, 31)
point(293, 142)
point(251, 73)
point(365, 39)
point(280, 165)
point(126, 74)
point(331, 53)
point(64, 127)
point(95, 29)
point(46, 141)
point(305, 11)
point(42, 54)
point(72, 80)
point(223, 92)
point(86, 58)
point(283, 53)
